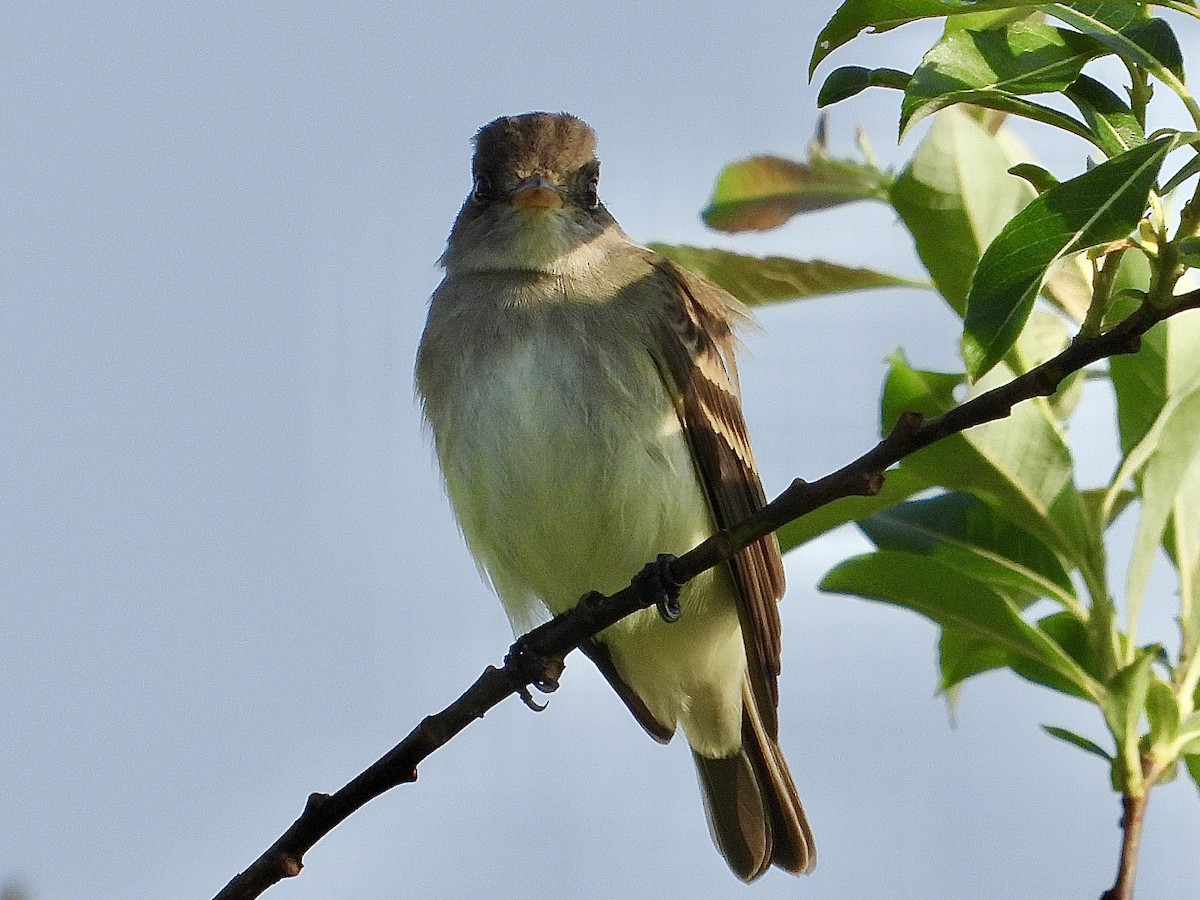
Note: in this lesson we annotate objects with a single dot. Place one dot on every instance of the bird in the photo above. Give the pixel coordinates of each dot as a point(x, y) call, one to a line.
point(583, 399)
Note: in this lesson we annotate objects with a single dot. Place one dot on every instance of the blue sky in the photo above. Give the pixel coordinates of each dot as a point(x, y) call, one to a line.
point(230, 575)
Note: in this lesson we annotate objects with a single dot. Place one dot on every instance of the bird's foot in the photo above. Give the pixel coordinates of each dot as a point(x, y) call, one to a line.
point(532, 668)
point(664, 587)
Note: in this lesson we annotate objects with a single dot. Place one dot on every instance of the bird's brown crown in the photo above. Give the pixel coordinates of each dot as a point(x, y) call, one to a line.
point(516, 147)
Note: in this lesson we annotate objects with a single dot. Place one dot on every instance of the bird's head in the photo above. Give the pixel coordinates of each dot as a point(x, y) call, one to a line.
point(534, 200)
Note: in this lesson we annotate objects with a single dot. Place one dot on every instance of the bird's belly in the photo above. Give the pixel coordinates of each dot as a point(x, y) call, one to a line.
point(569, 470)
point(575, 474)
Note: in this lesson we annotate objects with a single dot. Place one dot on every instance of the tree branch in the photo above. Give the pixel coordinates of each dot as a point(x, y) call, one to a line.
point(912, 433)
point(537, 657)
point(1134, 813)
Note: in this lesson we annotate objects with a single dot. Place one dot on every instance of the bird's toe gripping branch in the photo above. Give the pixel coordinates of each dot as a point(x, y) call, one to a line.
point(664, 587)
point(530, 667)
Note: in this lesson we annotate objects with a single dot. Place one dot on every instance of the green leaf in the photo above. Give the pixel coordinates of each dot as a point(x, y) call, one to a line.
point(1069, 632)
point(1114, 127)
point(1150, 386)
point(915, 390)
point(1189, 612)
point(1170, 772)
point(1039, 179)
point(1077, 740)
point(1135, 460)
point(1045, 336)
point(951, 599)
point(757, 281)
point(1098, 206)
point(954, 197)
point(847, 81)
point(1129, 288)
point(1124, 699)
point(1170, 486)
point(854, 16)
point(1102, 515)
point(962, 656)
point(1192, 761)
point(1189, 733)
point(963, 532)
point(1162, 712)
point(1069, 286)
point(1001, 102)
point(995, 19)
point(765, 191)
point(1019, 465)
point(1148, 43)
point(1167, 363)
point(898, 485)
point(993, 67)
point(1189, 251)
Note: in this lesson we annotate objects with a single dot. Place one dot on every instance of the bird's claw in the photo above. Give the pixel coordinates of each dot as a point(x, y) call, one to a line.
point(665, 588)
point(531, 668)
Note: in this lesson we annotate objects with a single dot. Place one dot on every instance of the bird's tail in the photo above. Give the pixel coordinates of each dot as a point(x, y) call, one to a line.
point(754, 813)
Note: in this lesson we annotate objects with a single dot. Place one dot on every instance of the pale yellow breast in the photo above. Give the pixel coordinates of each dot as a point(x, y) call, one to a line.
point(567, 465)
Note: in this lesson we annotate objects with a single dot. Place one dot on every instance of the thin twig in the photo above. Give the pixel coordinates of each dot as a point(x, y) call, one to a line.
point(537, 657)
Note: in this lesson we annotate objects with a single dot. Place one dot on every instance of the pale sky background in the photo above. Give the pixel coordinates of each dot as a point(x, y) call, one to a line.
point(229, 573)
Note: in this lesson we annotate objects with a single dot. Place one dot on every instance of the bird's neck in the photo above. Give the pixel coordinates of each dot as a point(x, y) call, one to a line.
point(531, 267)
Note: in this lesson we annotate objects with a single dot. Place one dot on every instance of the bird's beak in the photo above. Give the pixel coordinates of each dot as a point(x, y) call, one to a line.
point(537, 192)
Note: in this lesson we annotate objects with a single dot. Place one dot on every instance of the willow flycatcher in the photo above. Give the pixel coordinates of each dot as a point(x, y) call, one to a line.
point(583, 399)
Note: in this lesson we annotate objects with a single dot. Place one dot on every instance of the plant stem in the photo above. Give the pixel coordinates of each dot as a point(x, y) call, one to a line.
point(1139, 93)
point(1131, 841)
point(1102, 623)
point(1102, 287)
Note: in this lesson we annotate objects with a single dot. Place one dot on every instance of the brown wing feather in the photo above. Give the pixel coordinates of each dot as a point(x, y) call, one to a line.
point(696, 344)
point(599, 655)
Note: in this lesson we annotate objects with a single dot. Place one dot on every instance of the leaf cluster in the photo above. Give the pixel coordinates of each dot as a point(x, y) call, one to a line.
point(989, 533)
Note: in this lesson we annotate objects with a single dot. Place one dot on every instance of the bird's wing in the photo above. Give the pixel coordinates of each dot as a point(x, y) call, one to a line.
point(694, 352)
point(598, 654)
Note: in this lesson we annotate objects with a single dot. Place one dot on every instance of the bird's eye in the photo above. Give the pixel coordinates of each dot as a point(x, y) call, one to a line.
point(479, 193)
point(591, 194)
